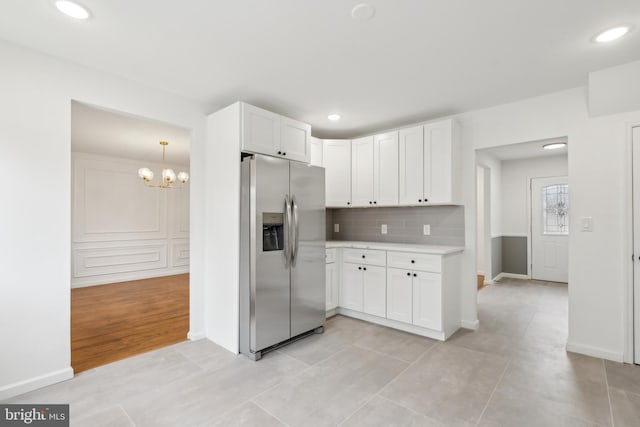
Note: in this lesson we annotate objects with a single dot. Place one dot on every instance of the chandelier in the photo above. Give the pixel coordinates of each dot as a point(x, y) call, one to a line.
point(168, 175)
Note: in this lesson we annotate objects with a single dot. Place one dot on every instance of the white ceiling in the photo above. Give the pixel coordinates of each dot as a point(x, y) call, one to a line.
point(526, 150)
point(99, 131)
point(416, 60)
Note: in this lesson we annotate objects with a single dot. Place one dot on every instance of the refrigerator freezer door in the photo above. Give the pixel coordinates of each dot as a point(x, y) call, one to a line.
point(308, 270)
point(270, 294)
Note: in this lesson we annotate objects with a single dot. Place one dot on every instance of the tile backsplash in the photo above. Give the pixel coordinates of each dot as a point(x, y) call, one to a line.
point(404, 224)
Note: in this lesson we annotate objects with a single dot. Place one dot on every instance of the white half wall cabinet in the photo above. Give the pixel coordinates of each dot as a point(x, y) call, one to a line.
point(413, 292)
point(316, 152)
point(121, 229)
point(414, 166)
point(269, 133)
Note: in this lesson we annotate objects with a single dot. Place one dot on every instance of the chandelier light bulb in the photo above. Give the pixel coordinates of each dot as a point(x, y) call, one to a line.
point(168, 175)
point(183, 177)
point(145, 173)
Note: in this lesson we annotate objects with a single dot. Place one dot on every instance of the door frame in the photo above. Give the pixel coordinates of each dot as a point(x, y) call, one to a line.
point(530, 222)
point(628, 315)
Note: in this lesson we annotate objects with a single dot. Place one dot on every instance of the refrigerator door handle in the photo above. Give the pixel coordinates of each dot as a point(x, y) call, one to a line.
point(287, 230)
point(296, 228)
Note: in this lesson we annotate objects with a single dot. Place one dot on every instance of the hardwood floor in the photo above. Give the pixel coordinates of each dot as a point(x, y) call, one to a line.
point(480, 281)
point(116, 321)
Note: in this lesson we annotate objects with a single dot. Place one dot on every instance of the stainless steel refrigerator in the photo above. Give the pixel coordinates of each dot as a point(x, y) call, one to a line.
point(282, 252)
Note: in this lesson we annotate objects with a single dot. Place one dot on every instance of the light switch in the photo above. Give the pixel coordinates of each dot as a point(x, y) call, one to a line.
point(336, 228)
point(586, 223)
point(383, 229)
point(426, 229)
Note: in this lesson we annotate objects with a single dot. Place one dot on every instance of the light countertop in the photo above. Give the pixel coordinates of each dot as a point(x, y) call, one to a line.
point(399, 247)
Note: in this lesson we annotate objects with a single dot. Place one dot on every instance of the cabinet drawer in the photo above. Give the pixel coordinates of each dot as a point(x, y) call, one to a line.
point(330, 255)
point(413, 261)
point(365, 256)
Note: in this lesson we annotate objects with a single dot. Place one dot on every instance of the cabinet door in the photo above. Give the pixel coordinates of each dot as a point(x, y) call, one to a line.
point(260, 130)
point(438, 162)
point(337, 164)
point(427, 300)
point(399, 295)
point(331, 286)
point(316, 152)
point(362, 171)
point(351, 287)
point(385, 169)
point(295, 142)
point(375, 290)
point(411, 158)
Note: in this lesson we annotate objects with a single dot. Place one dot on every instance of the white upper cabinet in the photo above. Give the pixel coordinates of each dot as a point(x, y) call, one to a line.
point(316, 152)
point(274, 135)
point(385, 169)
point(337, 164)
point(428, 159)
point(411, 153)
point(362, 171)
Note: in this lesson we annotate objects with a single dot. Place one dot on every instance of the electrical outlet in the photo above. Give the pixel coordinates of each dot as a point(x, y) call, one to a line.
point(426, 230)
point(383, 229)
point(336, 228)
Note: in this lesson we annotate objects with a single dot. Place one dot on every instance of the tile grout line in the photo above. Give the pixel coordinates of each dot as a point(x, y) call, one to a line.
point(127, 414)
point(504, 371)
point(606, 381)
point(274, 416)
point(386, 385)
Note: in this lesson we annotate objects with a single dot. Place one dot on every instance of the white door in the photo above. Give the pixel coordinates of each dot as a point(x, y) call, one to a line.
point(399, 295)
point(385, 169)
point(438, 175)
point(550, 229)
point(411, 153)
point(375, 290)
point(260, 130)
point(331, 287)
point(316, 152)
point(636, 242)
point(336, 157)
point(427, 300)
point(351, 287)
point(295, 140)
point(362, 171)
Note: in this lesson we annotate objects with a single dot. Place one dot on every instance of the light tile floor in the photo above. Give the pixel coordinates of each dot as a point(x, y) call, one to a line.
point(513, 371)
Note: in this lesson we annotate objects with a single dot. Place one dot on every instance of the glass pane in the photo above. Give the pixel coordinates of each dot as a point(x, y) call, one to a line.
point(555, 209)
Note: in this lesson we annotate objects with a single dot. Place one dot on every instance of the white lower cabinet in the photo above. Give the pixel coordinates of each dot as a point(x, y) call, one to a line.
point(399, 295)
point(427, 300)
point(351, 295)
point(332, 286)
point(374, 288)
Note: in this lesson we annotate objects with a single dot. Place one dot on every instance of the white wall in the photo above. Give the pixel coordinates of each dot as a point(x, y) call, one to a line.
point(121, 229)
point(516, 177)
point(35, 219)
point(615, 90)
point(480, 231)
point(597, 169)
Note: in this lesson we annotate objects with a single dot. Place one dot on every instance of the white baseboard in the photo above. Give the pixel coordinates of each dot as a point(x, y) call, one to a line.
point(331, 313)
point(83, 282)
point(35, 383)
point(480, 273)
point(425, 332)
point(195, 336)
point(470, 324)
point(511, 276)
point(595, 352)
point(489, 282)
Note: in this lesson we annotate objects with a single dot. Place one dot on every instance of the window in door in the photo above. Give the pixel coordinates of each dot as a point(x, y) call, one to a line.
point(555, 209)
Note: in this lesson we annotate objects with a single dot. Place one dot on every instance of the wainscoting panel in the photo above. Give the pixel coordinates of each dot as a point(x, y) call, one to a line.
point(121, 229)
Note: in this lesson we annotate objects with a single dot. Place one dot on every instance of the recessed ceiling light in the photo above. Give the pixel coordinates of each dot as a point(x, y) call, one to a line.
point(72, 9)
point(334, 117)
point(362, 12)
point(611, 34)
point(554, 146)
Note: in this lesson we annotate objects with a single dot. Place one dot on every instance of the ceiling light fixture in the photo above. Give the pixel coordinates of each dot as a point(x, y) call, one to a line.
point(72, 9)
point(362, 12)
point(168, 175)
point(611, 34)
point(334, 117)
point(554, 146)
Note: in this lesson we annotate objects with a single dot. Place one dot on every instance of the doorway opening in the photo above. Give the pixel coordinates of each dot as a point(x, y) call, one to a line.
point(129, 241)
point(523, 232)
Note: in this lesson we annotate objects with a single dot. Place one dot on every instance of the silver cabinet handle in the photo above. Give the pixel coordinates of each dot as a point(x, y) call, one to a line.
point(287, 229)
point(296, 228)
